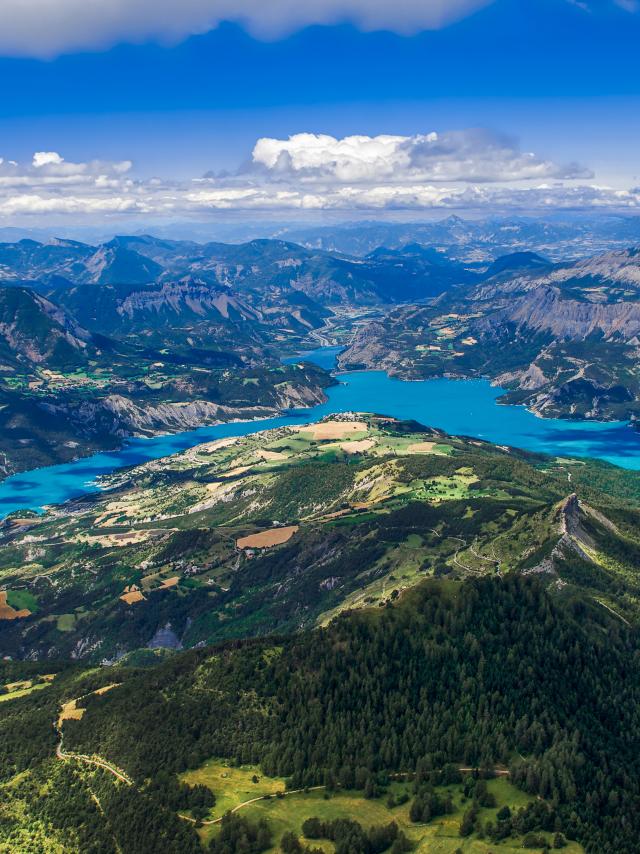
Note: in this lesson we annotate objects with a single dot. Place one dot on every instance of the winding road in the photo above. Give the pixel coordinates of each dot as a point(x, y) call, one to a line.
point(90, 760)
point(65, 755)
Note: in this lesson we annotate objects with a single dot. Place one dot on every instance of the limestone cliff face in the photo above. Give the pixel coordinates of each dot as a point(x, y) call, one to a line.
point(370, 349)
point(595, 296)
point(293, 396)
point(547, 309)
point(531, 379)
point(188, 295)
point(118, 415)
point(133, 419)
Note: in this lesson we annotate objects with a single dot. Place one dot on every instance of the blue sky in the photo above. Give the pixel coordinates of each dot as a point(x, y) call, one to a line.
point(555, 79)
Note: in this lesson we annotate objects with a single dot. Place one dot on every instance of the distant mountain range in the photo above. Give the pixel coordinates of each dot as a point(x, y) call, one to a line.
point(564, 339)
point(478, 241)
point(559, 236)
point(189, 295)
point(141, 334)
point(216, 292)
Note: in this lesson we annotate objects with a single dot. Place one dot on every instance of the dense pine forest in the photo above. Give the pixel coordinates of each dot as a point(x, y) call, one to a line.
point(488, 673)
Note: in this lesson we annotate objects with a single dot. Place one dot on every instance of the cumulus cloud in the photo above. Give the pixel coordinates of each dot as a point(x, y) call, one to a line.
point(464, 170)
point(51, 184)
point(46, 158)
point(470, 155)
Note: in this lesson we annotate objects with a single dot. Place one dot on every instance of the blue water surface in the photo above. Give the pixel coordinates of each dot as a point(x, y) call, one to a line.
point(461, 407)
point(325, 357)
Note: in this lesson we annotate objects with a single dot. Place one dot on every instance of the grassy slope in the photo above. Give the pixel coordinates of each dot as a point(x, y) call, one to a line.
point(234, 785)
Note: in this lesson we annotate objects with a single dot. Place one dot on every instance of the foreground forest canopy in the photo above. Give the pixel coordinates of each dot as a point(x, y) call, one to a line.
point(387, 705)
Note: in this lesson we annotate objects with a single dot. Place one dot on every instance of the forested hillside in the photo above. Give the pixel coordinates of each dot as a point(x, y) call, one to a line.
point(488, 673)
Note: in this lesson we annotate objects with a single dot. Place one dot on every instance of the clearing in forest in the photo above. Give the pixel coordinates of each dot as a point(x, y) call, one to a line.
point(25, 686)
point(272, 455)
point(126, 538)
point(233, 786)
point(70, 711)
point(358, 446)
point(421, 447)
point(106, 688)
point(438, 836)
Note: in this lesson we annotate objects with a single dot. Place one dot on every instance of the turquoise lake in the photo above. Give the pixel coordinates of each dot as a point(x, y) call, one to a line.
point(460, 407)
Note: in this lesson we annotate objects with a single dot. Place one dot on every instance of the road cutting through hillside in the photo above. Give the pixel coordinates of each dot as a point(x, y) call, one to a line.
point(99, 763)
point(65, 755)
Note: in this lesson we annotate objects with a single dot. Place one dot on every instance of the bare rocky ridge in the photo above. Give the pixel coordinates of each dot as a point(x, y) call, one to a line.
point(123, 417)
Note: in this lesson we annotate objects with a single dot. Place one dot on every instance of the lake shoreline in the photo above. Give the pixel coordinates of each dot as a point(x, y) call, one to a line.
point(467, 407)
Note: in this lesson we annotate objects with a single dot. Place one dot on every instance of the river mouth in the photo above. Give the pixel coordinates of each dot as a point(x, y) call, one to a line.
point(459, 407)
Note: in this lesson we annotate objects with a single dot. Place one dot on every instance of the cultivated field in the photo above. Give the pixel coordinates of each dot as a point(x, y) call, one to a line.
point(266, 539)
point(9, 613)
point(335, 429)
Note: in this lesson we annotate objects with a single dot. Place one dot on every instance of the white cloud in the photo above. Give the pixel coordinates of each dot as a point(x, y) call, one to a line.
point(469, 155)
point(464, 170)
point(35, 204)
point(390, 197)
point(46, 28)
point(50, 184)
point(45, 158)
point(48, 168)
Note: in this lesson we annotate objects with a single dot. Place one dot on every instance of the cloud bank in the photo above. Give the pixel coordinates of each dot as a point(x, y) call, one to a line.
point(47, 28)
point(454, 170)
point(44, 29)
